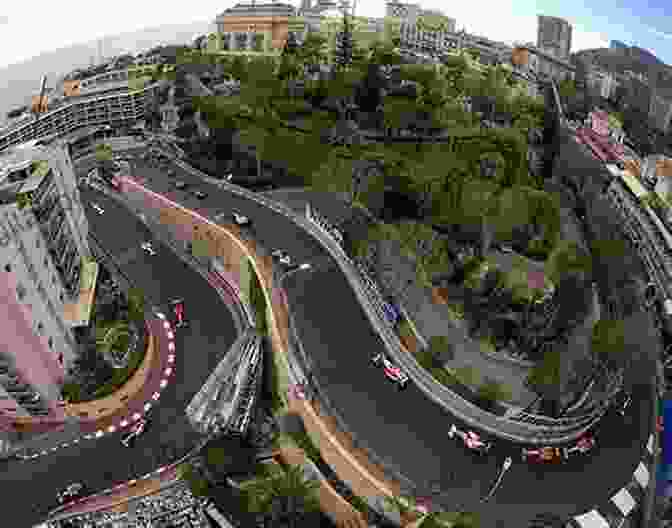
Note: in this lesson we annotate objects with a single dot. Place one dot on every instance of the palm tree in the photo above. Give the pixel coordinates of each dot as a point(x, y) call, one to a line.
point(112, 340)
point(136, 305)
point(283, 497)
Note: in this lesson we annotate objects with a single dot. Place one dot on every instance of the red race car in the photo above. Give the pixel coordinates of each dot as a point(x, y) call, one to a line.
point(584, 444)
point(544, 454)
point(471, 440)
point(392, 372)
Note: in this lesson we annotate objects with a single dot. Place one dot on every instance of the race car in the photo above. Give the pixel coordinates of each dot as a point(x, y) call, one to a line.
point(147, 248)
point(471, 440)
point(134, 432)
point(73, 491)
point(544, 454)
point(584, 444)
point(392, 372)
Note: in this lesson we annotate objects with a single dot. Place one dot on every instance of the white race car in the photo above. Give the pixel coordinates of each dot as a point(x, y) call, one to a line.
point(241, 220)
point(471, 440)
point(583, 445)
point(391, 371)
point(71, 492)
point(134, 432)
point(147, 248)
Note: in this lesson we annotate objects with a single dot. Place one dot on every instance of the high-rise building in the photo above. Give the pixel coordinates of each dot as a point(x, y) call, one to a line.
point(44, 260)
point(554, 36)
point(617, 44)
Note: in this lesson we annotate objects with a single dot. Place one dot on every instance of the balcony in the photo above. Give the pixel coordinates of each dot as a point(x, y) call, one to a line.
point(44, 214)
point(56, 229)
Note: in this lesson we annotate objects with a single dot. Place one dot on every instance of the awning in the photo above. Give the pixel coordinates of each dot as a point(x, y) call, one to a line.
point(78, 313)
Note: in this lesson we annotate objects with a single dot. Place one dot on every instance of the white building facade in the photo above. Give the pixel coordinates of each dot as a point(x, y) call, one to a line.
point(42, 248)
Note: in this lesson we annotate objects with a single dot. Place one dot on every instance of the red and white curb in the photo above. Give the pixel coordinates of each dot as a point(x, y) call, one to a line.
point(137, 415)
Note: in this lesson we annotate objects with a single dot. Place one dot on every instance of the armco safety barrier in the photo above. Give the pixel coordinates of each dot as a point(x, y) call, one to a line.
point(500, 426)
point(580, 423)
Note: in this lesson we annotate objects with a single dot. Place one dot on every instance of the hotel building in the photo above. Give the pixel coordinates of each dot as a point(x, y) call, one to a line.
point(44, 265)
point(116, 98)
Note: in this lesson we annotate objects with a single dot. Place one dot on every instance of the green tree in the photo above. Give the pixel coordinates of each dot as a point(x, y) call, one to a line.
point(567, 258)
point(344, 43)
point(441, 348)
point(608, 342)
point(113, 339)
point(546, 376)
point(197, 484)
point(313, 50)
point(492, 391)
point(284, 497)
point(136, 305)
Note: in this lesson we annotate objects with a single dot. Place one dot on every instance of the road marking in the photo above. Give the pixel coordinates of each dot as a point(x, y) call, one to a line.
point(166, 325)
point(649, 444)
point(171, 335)
point(155, 396)
point(624, 501)
point(642, 475)
point(592, 519)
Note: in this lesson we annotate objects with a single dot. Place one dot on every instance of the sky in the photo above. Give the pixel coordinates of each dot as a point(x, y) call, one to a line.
point(26, 31)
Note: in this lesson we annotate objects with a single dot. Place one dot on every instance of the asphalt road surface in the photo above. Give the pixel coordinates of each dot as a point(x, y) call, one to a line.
point(405, 428)
point(28, 488)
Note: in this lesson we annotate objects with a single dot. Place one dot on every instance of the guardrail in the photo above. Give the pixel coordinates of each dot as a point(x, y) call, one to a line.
point(499, 426)
point(581, 423)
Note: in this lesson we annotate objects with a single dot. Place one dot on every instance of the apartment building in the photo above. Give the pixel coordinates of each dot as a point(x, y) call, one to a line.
point(660, 111)
point(100, 100)
point(43, 252)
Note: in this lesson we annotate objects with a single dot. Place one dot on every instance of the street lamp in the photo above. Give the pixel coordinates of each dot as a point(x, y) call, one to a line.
point(505, 467)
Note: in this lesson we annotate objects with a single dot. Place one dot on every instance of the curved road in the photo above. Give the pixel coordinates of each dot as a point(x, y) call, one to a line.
point(28, 488)
point(405, 428)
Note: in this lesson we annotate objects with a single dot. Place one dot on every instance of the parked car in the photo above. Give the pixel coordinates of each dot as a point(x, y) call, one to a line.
point(97, 208)
point(200, 195)
point(391, 371)
point(470, 439)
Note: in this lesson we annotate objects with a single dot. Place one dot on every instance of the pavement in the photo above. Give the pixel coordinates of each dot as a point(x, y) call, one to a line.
point(403, 428)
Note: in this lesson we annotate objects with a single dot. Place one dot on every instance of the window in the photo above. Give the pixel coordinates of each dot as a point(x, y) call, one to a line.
point(37, 243)
point(51, 342)
point(20, 292)
point(40, 328)
point(8, 268)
